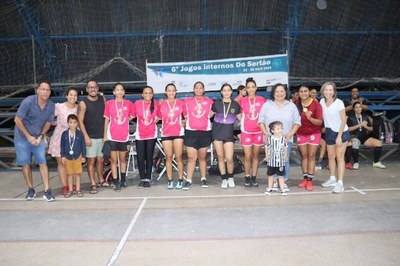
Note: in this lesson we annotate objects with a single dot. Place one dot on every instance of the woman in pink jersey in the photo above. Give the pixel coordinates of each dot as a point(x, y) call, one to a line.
point(146, 134)
point(197, 133)
point(117, 114)
point(251, 136)
point(308, 135)
point(172, 132)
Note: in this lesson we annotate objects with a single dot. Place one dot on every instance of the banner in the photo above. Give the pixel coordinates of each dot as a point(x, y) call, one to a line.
point(265, 70)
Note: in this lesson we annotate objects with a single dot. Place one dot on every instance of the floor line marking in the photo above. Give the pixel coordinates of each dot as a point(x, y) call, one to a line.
point(261, 194)
point(121, 244)
point(359, 191)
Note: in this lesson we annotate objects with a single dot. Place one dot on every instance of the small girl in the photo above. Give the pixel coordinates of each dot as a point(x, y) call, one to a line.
point(277, 154)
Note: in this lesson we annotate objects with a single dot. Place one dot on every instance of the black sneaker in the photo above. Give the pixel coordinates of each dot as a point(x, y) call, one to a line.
point(31, 194)
point(146, 184)
point(247, 181)
point(141, 184)
point(48, 196)
point(204, 183)
point(253, 181)
point(124, 184)
point(117, 185)
point(187, 185)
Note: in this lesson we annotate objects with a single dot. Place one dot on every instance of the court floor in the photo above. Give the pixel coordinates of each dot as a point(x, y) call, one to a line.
point(213, 226)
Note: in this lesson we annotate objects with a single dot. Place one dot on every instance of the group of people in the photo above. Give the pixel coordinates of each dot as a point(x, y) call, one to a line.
point(84, 131)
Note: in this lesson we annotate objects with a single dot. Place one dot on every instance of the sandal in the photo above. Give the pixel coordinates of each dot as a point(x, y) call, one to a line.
point(79, 193)
point(103, 184)
point(93, 189)
point(68, 195)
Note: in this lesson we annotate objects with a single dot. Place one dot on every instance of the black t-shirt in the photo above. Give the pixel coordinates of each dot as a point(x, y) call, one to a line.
point(353, 121)
point(222, 127)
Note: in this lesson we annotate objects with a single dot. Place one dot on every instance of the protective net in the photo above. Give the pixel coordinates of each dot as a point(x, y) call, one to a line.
point(74, 40)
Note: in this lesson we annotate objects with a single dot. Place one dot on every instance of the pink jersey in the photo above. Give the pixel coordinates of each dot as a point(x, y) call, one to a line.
point(198, 113)
point(118, 113)
point(250, 109)
point(146, 127)
point(171, 115)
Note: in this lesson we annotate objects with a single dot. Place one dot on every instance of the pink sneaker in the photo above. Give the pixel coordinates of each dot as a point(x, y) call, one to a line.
point(303, 183)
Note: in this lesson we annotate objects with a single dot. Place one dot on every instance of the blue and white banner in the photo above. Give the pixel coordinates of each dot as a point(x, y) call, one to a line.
point(265, 70)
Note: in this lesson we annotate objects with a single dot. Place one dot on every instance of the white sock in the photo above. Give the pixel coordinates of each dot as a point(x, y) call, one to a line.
point(333, 177)
point(203, 178)
point(340, 182)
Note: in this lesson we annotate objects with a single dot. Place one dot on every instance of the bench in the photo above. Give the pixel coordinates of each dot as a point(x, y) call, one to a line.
point(387, 151)
point(6, 152)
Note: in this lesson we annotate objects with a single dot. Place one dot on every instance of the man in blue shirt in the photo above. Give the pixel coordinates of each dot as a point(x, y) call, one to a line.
point(32, 122)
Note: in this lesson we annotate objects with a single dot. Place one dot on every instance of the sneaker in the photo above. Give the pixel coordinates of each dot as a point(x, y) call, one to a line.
point(284, 192)
point(141, 184)
point(285, 187)
point(231, 182)
point(170, 184)
point(204, 183)
point(179, 185)
point(329, 183)
point(378, 165)
point(187, 185)
point(48, 196)
point(117, 186)
point(349, 166)
point(319, 165)
point(64, 190)
point(356, 166)
point(146, 184)
point(309, 185)
point(338, 188)
point(268, 191)
point(224, 184)
point(32, 194)
point(247, 181)
point(275, 186)
point(253, 182)
point(303, 183)
point(124, 184)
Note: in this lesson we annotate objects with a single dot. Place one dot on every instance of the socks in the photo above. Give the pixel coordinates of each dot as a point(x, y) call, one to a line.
point(310, 177)
point(377, 154)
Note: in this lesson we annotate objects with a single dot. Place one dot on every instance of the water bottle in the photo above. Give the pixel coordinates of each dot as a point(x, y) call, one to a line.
point(389, 138)
point(382, 137)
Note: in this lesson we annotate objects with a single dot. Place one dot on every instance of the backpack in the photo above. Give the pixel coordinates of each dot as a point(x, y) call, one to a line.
point(381, 124)
point(237, 169)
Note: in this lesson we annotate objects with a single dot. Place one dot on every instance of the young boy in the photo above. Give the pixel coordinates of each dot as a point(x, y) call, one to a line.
point(73, 153)
point(277, 154)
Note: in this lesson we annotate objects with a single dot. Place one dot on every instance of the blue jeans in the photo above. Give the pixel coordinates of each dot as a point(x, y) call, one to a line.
point(25, 149)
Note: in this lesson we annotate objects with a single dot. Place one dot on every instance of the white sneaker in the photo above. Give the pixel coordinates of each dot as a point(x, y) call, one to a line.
point(356, 166)
point(285, 187)
point(275, 186)
point(231, 182)
point(378, 165)
point(329, 183)
point(338, 188)
point(224, 184)
point(268, 191)
point(284, 192)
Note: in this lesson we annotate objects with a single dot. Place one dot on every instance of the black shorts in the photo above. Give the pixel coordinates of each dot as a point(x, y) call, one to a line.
point(197, 139)
point(272, 170)
point(119, 146)
point(330, 136)
point(171, 138)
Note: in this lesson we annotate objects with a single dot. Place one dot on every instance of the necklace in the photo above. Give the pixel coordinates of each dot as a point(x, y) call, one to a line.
point(171, 110)
point(198, 105)
point(306, 105)
point(359, 121)
point(145, 113)
point(252, 107)
point(119, 114)
point(227, 110)
point(71, 145)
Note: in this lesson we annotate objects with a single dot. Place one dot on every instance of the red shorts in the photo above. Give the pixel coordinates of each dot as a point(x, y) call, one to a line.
point(312, 139)
point(256, 139)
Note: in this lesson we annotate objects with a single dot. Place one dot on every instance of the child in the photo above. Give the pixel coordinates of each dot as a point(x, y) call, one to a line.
point(277, 154)
point(73, 153)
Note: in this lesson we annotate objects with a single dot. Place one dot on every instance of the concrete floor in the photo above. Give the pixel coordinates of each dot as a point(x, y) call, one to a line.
point(212, 226)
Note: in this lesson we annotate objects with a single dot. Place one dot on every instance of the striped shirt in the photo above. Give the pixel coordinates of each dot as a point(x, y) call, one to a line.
point(277, 149)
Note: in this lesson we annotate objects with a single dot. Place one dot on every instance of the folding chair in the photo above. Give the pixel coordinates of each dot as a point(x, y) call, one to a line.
point(174, 163)
point(131, 155)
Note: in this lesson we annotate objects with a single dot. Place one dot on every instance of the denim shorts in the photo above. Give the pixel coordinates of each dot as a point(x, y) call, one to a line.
point(330, 136)
point(25, 149)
